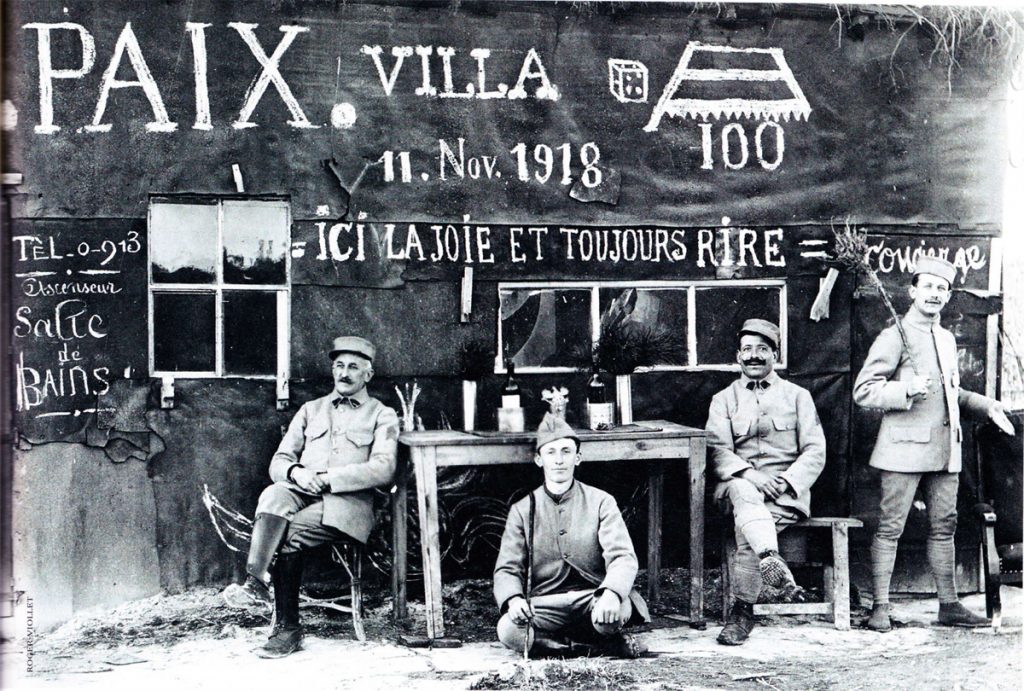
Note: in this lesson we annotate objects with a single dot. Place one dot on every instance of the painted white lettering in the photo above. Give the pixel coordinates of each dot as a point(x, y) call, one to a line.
point(400, 53)
point(546, 90)
point(198, 34)
point(270, 72)
point(481, 55)
point(773, 248)
point(47, 73)
point(127, 42)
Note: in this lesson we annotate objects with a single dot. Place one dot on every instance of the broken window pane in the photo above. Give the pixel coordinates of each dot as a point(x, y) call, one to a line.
point(183, 243)
point(183, 332)
point(721, 312)
point(255, 242)
point(545, 327)
point(250, 332)
point(656, 317)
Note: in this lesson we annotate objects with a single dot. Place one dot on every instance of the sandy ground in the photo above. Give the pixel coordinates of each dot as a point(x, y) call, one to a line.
point(789, 654)
point(786, 654)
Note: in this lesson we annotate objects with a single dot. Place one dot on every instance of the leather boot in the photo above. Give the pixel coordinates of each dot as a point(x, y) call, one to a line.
point(266, 538)
point(955, 614)
point(550, 646)
point(286, 636)
point(741, 623)
point(879, 619)
point(623, 645)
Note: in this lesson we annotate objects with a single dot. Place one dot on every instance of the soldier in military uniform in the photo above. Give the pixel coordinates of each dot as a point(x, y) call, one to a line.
point(767, 449)
point(564, 576)
point(918, 388)
point(337, 449)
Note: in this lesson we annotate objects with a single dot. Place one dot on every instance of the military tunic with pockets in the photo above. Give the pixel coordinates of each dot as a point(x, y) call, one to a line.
point(355, 443)
point(923, 435)
point(777, 433)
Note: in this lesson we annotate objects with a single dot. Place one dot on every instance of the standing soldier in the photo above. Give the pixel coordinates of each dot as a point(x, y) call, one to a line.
point(767, 449)
point(918, 388)
point(337, 449)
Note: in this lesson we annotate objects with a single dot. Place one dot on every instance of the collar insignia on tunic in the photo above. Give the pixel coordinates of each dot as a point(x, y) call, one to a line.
point(762, 384)
point(347, 400)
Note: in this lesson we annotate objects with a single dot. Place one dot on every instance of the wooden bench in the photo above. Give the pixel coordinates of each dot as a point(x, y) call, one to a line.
point(836, 574)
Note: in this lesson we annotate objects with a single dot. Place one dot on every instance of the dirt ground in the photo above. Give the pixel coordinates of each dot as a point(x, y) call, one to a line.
point(189, 641)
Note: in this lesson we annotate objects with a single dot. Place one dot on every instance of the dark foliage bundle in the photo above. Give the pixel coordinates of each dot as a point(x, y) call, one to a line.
point(476, 360)
point(624, 346)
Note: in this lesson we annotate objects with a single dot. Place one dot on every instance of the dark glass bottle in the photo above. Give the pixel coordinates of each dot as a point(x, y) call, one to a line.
point(510, 392)
point(596, 392)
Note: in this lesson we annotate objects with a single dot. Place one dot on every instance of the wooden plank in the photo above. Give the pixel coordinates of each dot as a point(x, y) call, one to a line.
point(423, 460)
point(795, 608)
point(604, 451)
point(400, 540)
point(655, 487)
point(659, 429)
point(828, 522)
point(697, 464)
point(841, 577)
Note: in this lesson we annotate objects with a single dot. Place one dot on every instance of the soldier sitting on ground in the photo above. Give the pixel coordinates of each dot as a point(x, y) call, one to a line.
point(568, 541)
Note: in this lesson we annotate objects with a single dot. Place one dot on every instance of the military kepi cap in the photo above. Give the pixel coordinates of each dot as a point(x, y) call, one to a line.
point(761, 327)
point(553, 428)
point(353, 344)
point(936, 267)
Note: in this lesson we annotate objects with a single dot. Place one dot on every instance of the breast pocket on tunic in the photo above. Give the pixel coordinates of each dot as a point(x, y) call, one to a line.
point(912, 434)
point(315, 430)
point(740, 428)
point(784, 432)
point(359, 437)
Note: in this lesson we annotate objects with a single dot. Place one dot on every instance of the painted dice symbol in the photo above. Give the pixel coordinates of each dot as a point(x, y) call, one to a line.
point(627, 80)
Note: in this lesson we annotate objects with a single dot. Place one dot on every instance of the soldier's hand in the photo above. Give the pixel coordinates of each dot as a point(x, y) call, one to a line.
point(918, 387)
point(775, 489)
point(606, 608)
point(758, 479)
point(997, 415)
point(519, 610)
point(308, 480)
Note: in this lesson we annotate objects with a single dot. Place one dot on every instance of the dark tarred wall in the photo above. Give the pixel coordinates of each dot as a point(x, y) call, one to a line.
point(914, 159)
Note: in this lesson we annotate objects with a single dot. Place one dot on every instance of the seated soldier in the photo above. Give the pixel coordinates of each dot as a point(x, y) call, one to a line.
point(337, 449)
point(767, 448)
point(569, 542)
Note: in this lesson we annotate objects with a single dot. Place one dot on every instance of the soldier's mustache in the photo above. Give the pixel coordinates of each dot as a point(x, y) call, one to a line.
point(754, 361)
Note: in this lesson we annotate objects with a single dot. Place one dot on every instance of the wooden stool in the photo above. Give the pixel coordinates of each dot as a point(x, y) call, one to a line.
point(349, 555)
point(836, 575)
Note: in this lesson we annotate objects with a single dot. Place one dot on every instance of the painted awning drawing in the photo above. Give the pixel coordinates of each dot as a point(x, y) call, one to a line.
point(722, 81)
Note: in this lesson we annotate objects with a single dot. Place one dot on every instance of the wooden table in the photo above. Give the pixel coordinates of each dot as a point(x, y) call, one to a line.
point(654, 442)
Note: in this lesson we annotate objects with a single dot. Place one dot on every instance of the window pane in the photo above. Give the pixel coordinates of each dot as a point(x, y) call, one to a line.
point(660, 314)
point(255, 242)
point(183, 332)
point(250, 332)
point(183, 243)
point(721, 312)
point(545, 328)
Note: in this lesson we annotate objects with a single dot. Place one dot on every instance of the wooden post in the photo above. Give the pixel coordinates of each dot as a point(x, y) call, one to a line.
point(655, 486)
point(698, 461)
point(841, 576)
point(399, 539)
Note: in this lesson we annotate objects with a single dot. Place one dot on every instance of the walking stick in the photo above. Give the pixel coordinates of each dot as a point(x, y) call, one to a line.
point(529, 578)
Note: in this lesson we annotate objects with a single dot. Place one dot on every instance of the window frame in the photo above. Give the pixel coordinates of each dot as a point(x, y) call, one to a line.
point(282, 291)
point(691, 287)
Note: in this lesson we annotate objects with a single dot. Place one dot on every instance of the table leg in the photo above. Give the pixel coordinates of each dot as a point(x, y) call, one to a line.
point(424, 461)
point(698, 461)
point(655, 485)
point(400, 540)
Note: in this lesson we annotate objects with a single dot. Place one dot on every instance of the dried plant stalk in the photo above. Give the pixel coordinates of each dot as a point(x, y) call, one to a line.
point(408, 401)
point(851, 252)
